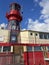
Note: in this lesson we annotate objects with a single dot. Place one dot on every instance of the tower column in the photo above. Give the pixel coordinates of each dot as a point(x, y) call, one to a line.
point(14, 17)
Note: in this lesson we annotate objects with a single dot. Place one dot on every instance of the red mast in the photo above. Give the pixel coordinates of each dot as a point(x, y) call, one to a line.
point(14, 13)
point(14, 17)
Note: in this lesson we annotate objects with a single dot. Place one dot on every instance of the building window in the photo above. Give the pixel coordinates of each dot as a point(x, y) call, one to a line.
point(48, 36)
point(45, 36)
point(1, 38)
point(15, 7)
point(31, 33)
point(41, 36)
point(48, 48)
point(13, 38)
point(37, 48)
point(43, 48)
point(0, 48)
point(6, 48)
point(29, 48)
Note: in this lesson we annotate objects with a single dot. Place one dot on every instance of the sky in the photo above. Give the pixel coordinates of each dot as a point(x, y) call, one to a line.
point(35, 14)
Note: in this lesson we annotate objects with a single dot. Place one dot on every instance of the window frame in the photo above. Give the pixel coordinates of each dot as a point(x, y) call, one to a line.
point(7, 48)
point(37, 49)
point(13, 35)
point(43, 35)
point(29, 48)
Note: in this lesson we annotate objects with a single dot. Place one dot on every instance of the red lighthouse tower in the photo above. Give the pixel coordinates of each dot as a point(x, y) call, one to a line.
point(14, 18)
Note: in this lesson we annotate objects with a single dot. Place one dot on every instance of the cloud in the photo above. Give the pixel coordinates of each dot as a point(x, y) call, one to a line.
point(3, 25)
point(44, 17)
point(32, 10)
point(36, 0)
point(23, 29)
point(37, 26)
point(45, 11)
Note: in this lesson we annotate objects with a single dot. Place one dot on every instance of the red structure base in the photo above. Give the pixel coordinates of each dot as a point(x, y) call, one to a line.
point(34, 58)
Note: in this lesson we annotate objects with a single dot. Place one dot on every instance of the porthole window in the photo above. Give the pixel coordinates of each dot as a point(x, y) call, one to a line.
point(36, 34)
point(31, 33)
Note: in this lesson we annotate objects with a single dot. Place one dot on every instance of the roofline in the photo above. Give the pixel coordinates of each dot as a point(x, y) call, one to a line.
point(34, 31)
point(28, 31)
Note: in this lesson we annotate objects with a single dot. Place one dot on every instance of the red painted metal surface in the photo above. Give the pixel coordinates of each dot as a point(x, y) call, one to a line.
point(14, 15)
point(33, 58)
point(30, 58)
point(16, 12)
point(9, 59)
point(22, 44)
point(6, 58)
